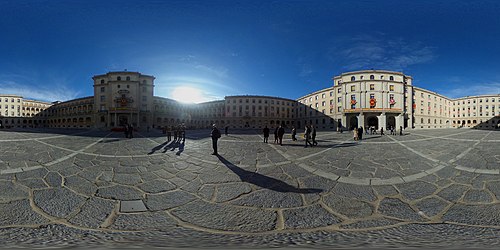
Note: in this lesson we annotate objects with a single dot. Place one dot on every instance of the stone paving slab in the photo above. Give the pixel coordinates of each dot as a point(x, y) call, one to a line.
point(381, 185)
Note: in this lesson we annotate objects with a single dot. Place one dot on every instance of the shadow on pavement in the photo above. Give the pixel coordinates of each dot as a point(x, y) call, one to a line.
point(265, 181)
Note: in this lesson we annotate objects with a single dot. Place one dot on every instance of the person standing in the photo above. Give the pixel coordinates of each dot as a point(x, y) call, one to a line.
point(313, 135)
point(307, 134)
point(130, 131)
point(226, 129)
point(360, 133)
point(276, 135)
point(174, 129)
point(266, 134)
point(294, 133)
point(169, 133)
point(215, 134)
point(281, 132)
point(125, 130)
point(400, 130)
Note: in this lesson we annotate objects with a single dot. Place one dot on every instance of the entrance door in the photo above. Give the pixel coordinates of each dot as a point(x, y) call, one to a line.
point(373, 122)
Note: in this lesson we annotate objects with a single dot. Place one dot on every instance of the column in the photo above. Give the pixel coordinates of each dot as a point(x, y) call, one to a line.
point(382, 122)
point(361, 120)
point(399, 121)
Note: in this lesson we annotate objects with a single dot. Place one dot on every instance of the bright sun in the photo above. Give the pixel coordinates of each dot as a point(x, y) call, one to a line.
point(188, 94)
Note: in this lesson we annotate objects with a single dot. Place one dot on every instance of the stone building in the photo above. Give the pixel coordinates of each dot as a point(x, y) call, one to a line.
point(368, 98)
point(15, 111)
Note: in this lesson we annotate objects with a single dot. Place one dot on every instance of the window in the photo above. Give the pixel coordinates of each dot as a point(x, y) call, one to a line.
point(102, 89)
point(102, 81)
point(128, 78)
point(128, 86)
point(323, 95)
point(353, 78)
point(144, 89)
point(372, 77)
point(372, 86)
point(119, 78)
point(353, 88)
point(144, 98)
point(316, 97)
point(391, 87)
point(323, 103)
point(391, 78)
point(331, 93)
point(118, 85)
point(103, 98)
point(338, 91)
point(339, 99)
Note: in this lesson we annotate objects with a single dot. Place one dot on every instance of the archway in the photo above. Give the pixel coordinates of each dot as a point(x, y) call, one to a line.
point(391, 122)
point(372, 122)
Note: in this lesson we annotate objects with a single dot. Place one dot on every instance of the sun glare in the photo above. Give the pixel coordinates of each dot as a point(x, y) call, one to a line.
point(188, 94)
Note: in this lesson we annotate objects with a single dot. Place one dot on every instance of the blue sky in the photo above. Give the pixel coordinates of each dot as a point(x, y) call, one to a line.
point(51, 49)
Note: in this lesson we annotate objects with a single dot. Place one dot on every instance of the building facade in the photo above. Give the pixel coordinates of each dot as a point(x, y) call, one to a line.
point(369, 98)
point(15, 111)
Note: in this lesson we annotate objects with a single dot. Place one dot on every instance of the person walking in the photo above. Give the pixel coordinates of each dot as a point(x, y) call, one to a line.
point(125, 130)
point(266, 134)
point(382, 131)
point(355, 133)
point(276, 135)
point(215, 134)
point(400, 130)
point(307, 134)
point(313, 136)
point(281, 132)
point(360, 133)
point(294, 133)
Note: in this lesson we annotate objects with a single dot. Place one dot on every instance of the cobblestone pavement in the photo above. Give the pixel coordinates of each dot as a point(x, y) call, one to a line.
point(89, 188)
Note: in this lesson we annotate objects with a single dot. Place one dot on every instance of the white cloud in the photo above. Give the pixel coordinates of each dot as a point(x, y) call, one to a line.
point(375, 51)
point(221, 72)
point(472, 90)
point(37, 92)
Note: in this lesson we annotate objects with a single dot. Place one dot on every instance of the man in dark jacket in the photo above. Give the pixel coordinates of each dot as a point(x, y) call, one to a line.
point(215, 134)
point(266, 134)
point(281, 132)
point(313, 135)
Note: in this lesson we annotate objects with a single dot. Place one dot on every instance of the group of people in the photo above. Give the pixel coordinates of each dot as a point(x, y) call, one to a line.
point(129, 130)
point(310, 133)
point(179, 132)
point(358, 132)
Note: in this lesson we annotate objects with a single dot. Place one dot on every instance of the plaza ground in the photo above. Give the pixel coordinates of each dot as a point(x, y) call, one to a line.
point(91, 188)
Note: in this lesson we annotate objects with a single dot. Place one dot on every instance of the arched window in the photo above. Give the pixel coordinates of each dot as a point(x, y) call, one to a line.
point(128, 78)
point(119, 78)
point(372, 77)
point(391, 78)
point(353, 78)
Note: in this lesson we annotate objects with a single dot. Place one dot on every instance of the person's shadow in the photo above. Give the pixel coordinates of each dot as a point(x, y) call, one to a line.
point(157, 148)
point(265, 181)
point(181, 148)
